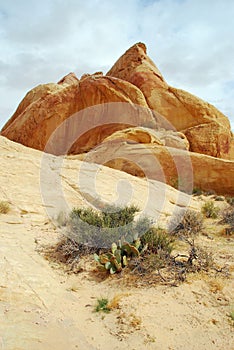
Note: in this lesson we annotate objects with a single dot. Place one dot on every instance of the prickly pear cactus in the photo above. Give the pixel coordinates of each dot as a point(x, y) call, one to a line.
point(119, 256)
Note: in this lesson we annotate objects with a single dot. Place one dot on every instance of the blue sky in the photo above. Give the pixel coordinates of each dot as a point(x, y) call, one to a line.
point(191, 42)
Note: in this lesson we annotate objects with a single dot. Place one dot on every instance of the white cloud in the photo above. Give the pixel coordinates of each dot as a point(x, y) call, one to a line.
point(190, 41)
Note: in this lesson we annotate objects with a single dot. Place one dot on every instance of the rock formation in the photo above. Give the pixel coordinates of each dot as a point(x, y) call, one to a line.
point(123, 117)
point(184, 111)
point(143, 135)
point(46, 107)
point(176, 167)
point(38, 184)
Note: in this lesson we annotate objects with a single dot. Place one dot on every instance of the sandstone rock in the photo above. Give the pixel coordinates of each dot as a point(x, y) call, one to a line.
point(38, 185)
point(96, 74)
point(181, 109)
point(115, 99)
point(37, 93)
point(51, 105)
point(70, 78)
point(149, 136)
point(210, 138)
point(173, 166)
point(231, 151)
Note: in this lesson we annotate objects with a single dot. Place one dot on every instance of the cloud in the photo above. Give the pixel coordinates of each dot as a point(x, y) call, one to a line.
point(190, 41)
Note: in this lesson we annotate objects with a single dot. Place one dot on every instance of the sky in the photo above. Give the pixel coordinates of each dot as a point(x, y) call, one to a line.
point(191, 42)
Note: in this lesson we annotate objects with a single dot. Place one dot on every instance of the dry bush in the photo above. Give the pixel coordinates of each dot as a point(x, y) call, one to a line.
point(230, 200)
point(228, 216)
point(210, 210)
point(4, 207)
point(186, 223)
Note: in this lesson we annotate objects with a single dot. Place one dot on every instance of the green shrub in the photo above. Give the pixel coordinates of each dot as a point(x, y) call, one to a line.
point(186, 223)
point(157, 240)
point(114, 216)
point(101, 229)
point(89, 231)
point(197, 191)
point(210, 210)
point(4, 207)
point(102, 305)
point(117, 242)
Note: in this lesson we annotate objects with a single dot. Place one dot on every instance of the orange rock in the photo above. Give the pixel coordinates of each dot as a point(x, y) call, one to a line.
point(70, 78)
point(160, 137)
point(46, 107)
point(180, 108)
point(133, 81)
point(39, 92)
point(176, 167)
point(210, 138)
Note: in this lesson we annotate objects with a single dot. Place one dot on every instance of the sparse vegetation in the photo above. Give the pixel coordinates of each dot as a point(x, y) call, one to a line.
point(197, 191)
point(219, 198)
point(102, 305)
point(228, 218)
point(210, 210)
point(4, 207)
point(100, 229)
point(89, 231)
point(157, 241)
point(118, 257)
point(186, 223)
point(135, 248)
point(231, 315)
point(230, 200)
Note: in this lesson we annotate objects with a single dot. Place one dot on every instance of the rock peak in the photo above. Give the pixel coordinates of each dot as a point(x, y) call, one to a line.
point(139, 45)
point(70, 78)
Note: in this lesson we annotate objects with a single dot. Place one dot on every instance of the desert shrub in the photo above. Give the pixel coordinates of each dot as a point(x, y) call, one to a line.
point(228, 216)
point(186, 223)
point(4, 207)
point(219, 198)
point(68, 251)
point(119, 243)
point(230, 200)
point(210, 210)
point(101, 229)
point(197, 191)
point(89, 231)
point(114, 216)
point(157, 240)
point(199, 259)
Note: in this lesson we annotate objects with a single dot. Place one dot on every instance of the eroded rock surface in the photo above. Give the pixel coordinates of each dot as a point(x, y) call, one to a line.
point(182, 109)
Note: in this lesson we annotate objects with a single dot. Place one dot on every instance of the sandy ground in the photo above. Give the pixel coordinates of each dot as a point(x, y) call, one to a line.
point(41, 307)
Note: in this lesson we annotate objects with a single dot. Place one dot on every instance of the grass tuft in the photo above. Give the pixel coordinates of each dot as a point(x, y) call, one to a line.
point(102, 305)
point(210, 210)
